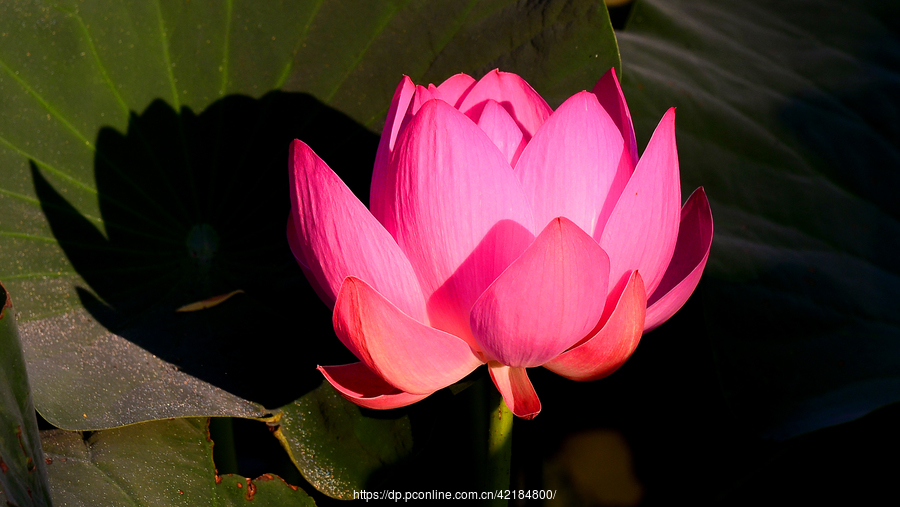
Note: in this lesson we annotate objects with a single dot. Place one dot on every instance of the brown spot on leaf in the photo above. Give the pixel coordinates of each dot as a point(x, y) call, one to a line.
point(3, 467)
point(251, 490)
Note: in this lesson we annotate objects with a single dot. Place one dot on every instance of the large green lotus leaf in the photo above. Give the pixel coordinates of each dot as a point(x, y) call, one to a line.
point(142, 168)
point(788, 116)
point(23, 476)
point(161, 463)
point(336, 446)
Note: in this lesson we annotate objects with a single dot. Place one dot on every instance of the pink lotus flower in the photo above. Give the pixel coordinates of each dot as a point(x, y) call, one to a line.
point(500, 232)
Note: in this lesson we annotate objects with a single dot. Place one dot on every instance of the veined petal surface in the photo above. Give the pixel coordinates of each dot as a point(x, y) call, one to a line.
point(359, 384)
point(546, 301)
point(613, 344)
point(643, 227)
point(691, 252)
point(407, 354)
point(569, 166)
point(337, 237)
point(458, 211)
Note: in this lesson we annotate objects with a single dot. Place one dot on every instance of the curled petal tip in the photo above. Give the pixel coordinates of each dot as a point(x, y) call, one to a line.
point(516, 389)
point(360, 385)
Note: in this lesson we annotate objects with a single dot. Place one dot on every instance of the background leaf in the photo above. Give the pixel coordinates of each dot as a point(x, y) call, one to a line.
point(336, 446)
point(23, 476)
point(161, 463)
point(787, 114)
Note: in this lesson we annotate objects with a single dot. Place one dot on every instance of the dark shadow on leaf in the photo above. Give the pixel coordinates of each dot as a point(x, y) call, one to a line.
point(195, 206)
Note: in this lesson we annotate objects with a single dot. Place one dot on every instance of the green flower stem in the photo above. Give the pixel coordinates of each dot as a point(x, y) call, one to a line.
point(492, 423)
point(499, 444)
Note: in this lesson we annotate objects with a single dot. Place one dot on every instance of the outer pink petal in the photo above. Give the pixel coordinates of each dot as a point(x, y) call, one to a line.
point(357, 383)
point(337, 237)
point(691, 252)
point(516, 389)
point(545, 301)
point(642, 229)
point(399, 104)
point(455, 88)
point(324, 293)
point(609, 93)
point(604, 352)
point(524, 104)
point(502, 130)
point(404, 352)
point(571, 163)
point(459, 213)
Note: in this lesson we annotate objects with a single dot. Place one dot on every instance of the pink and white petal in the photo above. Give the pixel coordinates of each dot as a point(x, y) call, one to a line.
point(525, 105)
point(396, 113)
point(691, 252)
point(609, 93)
point(516, 389)
point(455, 88)
point(337, 237)
point(643, 227)
point(610, 347)
point(569, 166)
point(359, 384)
point(503, 131)
point(459, 213)
point(545, 301)
point(404, 352)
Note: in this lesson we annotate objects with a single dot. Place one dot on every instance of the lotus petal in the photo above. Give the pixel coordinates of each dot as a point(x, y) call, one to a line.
point(691, 252)
point(569, 166)
point(525, 105)
point(404, 352)
point(503, 131)
point(516, 389)
point(642, 229)
point(546, 300)
point(608, 349)
point(357, 383)
point(458, 211)
point(337, 237)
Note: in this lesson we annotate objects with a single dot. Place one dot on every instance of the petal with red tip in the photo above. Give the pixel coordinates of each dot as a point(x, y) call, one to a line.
point(691, 252)
point(569, 166)
point(609, 93)
point(516, 389)
point(407, 354)
point(457, 211)
point(604, 352)
point(455, 88)
point(359, 384)
point(503, 131)
point(525, 105)
point(545, 301)
point(642, 229)
point(337, 237)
